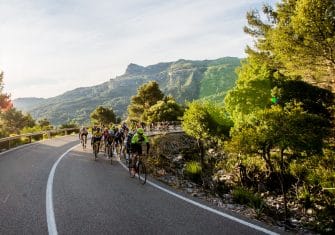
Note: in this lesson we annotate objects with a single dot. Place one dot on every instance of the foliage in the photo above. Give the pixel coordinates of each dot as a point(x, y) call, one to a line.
point(102, 116)
point(252, 91)
point(277, 115)
point(68, 125)
point(298, 38)
point(304, 38)
point(205, 120)
point(164, 110)
point(34, 129)
point(288, 129)
point(193, 170)
point(147, 95)
point(13, 120)
point(246, 197)
point(5, 102)
point(45, 124)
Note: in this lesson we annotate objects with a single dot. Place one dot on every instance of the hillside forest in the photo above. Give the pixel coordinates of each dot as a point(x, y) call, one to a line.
point(268, 134)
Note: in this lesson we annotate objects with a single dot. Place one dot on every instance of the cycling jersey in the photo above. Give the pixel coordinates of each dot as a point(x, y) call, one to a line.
point(96, 136)
point(139, 139)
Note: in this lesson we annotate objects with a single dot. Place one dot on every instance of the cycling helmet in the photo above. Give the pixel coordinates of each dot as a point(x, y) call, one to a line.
point(140, 131)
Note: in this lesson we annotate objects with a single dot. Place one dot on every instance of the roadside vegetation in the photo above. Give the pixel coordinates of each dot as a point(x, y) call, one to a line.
point(269, 141)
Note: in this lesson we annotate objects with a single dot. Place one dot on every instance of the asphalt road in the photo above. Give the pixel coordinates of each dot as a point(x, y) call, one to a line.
point(94, 197)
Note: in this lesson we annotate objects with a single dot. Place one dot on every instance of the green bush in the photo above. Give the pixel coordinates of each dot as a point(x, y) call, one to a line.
point(246, 197)
point(193, 171)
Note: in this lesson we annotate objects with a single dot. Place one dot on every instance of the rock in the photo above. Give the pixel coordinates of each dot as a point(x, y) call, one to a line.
point(178, 158)
point(189, 190)
point(211, 151)
point(189, 185)
point(161, 172)
point(230, 206)
point(310, 211)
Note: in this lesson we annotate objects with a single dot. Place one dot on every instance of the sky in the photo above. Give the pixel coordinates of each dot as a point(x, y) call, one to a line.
point(48, 47)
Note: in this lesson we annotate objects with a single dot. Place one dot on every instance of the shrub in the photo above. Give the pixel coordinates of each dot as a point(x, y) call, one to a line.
point(193, 171)
point(246, 197)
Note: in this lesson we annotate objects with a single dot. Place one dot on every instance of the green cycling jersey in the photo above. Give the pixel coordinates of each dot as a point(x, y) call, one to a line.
point(139, 139)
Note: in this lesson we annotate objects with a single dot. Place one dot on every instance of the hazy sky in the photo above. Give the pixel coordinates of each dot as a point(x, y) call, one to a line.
point(48, 47)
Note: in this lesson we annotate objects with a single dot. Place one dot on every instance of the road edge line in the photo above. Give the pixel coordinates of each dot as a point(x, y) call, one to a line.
point(52, 228)
point(256, 227)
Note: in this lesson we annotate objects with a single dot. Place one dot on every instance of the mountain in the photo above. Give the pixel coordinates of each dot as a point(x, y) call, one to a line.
point(28, 103)
point(185, 80)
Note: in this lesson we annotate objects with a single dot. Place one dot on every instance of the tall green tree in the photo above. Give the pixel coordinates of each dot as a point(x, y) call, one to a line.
point(298, 38)
point(165, 110)
point(252, 91)
point(147, 95)
point(103, 116)
point(304, 38)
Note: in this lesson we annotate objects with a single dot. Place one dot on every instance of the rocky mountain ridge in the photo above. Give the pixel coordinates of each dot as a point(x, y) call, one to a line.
point(186, 80)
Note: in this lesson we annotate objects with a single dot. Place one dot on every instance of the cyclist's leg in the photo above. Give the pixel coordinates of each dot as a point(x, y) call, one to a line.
point(131, 165)
point(141, 170)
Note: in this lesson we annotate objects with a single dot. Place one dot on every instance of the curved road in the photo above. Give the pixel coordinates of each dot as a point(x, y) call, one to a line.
point(94, 197)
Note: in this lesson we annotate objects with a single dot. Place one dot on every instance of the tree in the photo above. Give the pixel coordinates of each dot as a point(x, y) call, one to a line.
point(5, 102)
point(290, 130)
point(69, 125)
point(206, 121)
point(45, 124)
point(164, 110)
point(298, 39)
point(13, 120)
point(147, 95)
point(252, 91)
point(103, 116)
point(304, 39)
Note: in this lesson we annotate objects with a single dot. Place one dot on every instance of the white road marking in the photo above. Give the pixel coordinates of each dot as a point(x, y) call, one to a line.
point(52, 228)
point(256, 227)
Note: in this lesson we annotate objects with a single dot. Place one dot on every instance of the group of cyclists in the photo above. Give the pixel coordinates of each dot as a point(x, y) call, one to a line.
point(120, 140)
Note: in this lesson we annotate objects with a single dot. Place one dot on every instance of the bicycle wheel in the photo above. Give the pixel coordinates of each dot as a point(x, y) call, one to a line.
point(85, 141)
point(131, 173)
point(96, 150)
point(142, 172)
point(93, 146)
point(110, 153)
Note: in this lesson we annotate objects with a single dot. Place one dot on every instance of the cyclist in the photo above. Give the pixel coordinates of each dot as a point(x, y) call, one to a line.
point(83, 136)
point(124, 129)
point(118, 140)
point(105, 135)
point(96, 136)
point(109, 142)
point(127, 145)
point(137, 140)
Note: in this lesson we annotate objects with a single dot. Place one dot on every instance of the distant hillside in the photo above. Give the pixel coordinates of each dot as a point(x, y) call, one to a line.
point(185, 80)
point(26, 104)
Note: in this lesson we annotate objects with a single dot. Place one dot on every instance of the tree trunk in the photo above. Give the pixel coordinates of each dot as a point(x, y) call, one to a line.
point(283, 185)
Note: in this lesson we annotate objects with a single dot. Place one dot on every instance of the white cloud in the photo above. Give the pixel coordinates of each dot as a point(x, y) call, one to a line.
point(48, 47)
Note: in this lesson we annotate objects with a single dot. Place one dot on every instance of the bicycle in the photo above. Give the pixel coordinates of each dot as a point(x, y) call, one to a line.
point(110, 150)
point(139, 168)
point(83, 141)
point(96, 146)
